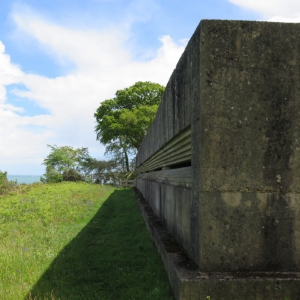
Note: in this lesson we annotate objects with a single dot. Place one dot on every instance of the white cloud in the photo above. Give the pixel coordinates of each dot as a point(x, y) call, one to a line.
point(15, 140)
point(9, 73)
point(273, 10)
point(103, 65)
point(279, 18)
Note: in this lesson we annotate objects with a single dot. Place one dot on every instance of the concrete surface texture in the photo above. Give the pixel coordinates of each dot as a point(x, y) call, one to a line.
point(236, 88)
point(190, 283)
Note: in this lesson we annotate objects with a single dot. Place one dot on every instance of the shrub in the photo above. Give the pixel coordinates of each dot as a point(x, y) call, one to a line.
point(51, 176)
point(6, 186)
point(3, 177)
point(72, 175)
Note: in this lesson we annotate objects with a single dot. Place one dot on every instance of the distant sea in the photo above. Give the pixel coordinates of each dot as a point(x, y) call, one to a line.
point(25, 178)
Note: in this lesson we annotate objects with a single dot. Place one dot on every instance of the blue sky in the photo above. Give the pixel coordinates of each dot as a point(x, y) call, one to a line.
point(60, 59)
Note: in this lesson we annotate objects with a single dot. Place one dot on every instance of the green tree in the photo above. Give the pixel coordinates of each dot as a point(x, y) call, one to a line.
point(123, 121)
point(64, 163)
point(103, 171)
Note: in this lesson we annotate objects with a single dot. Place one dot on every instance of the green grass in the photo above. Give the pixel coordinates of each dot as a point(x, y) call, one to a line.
point(77, 241)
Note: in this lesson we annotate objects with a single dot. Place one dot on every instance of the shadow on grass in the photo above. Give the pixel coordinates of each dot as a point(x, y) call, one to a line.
point(111, 258)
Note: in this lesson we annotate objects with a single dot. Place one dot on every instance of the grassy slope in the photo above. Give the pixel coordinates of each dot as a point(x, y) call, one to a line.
point(77, 241)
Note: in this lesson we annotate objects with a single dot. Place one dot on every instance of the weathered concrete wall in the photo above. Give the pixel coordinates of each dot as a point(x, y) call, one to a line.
point(236, 87)
point(190, 283)
point(168, 198)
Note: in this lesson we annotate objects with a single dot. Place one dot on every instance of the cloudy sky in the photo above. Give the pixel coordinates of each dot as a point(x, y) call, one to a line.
point(60, 59)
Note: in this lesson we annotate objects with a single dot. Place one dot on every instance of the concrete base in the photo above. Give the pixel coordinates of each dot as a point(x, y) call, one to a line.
point(189, 283)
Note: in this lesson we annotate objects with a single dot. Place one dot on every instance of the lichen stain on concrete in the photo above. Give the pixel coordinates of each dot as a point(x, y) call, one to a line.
point(238, 44)
point(248, 203)
point(279, 130)
point(262, 197)
point(278, 178)
point(232, 199)
point(279, 241)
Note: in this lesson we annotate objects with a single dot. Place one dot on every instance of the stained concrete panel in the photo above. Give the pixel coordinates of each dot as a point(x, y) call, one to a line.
point(171, 204)
point(247, 231)
point(245, 142)
point(249, 106)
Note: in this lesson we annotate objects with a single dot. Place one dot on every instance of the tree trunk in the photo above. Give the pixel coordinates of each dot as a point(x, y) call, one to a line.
point(126, 160)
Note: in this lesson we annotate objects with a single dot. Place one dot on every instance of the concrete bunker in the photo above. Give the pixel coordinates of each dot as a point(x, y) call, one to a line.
point(220, 165)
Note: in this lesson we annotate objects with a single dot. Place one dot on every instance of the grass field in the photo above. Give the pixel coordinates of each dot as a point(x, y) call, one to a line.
point(77, 241)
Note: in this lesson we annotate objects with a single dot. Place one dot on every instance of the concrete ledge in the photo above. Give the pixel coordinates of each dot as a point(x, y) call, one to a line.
point(189, 283)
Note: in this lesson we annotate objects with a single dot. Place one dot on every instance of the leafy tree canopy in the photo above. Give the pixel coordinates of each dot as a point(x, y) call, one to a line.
point(126, 118)
point(65, 157)
point(69, 164)
point(64, 163)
